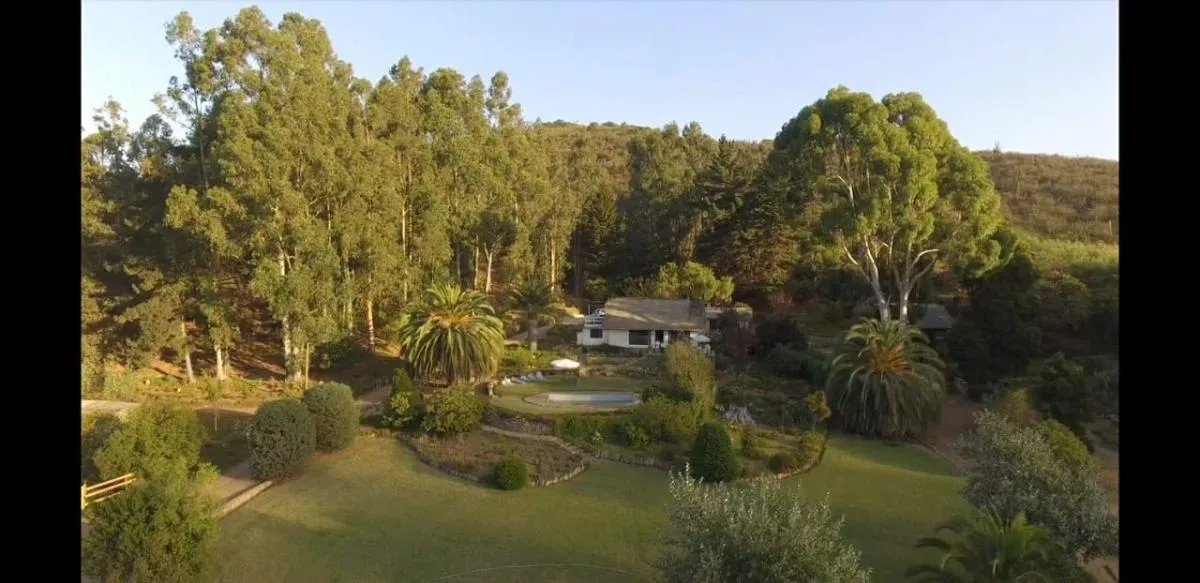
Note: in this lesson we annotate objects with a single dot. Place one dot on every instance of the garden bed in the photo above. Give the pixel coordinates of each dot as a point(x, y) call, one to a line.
point(474, 456)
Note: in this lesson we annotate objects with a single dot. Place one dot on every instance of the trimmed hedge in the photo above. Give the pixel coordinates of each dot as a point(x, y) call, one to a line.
point(335, 415)
point(713, 458)
point(282, 438)
point(512, 474)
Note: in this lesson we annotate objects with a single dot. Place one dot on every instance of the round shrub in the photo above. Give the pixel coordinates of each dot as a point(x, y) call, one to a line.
point(512, 474)
point(1017, 407)
point(153, 441)
point(282, 438)
point(152, 531)
point(1066, 445)
point(453, 410)
point(334, 413)
point(809, 449)
point(713, 458)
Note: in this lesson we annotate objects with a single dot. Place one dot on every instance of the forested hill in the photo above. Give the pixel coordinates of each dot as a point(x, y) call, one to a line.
point(1052, 196)
point(1058, 197)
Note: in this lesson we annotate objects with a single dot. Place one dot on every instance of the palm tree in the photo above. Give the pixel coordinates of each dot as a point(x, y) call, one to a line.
point(533, 298)
point(988, 549)
point(887, 381)
point(454, 336)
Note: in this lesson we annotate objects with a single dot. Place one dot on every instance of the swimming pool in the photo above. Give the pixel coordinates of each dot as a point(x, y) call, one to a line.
point(586, 398)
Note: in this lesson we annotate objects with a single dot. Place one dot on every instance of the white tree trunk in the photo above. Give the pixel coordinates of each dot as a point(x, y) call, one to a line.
point(487, 286)
point(187, 355)
point(220, 355)
point(370, 308)
point(533, 346)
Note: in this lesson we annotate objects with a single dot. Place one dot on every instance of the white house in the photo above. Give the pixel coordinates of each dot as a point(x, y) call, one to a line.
point(646, 322)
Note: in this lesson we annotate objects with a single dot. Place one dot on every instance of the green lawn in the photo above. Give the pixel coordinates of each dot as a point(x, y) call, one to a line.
point(375, 513)
point(891, 496)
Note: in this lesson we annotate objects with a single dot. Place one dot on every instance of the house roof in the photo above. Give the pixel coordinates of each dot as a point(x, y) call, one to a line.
point(653, 314)
point(936, 318)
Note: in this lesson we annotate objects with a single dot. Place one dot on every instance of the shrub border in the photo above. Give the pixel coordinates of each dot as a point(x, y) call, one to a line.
point(633, 460)
point(411, 443)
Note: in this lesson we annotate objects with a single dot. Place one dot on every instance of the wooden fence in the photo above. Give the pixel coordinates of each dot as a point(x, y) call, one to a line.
point(104, 490)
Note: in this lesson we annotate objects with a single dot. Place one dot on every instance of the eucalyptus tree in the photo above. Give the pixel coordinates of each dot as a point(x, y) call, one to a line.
point(281, 144)
point(894, 193)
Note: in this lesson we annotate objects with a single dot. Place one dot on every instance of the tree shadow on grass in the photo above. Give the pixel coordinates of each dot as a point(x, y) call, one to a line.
point(895, 454)
point(341, 543)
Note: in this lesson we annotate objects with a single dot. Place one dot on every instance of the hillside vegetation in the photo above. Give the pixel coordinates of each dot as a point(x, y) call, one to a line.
point(1058, 197)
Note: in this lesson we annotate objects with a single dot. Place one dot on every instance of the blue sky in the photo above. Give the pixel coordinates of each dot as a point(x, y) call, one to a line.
point(1033, 76)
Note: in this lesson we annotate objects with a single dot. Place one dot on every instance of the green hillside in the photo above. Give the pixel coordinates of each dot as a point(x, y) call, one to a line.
point(1059, 197)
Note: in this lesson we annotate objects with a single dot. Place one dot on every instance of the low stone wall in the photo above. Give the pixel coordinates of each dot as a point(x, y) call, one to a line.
point(516, 423)
point(634, 460)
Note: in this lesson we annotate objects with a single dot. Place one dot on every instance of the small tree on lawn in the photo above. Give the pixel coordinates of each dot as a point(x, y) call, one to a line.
point(817, 408)
point(713, 458)
point(760, 533)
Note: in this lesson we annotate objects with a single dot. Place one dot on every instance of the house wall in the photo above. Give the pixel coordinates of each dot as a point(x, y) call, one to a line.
point(584, 338)
point(619, 338)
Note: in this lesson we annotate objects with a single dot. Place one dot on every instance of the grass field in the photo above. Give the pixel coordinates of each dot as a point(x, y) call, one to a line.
point(375, 513)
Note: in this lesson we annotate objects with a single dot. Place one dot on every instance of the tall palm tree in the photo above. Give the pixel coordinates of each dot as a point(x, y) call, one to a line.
point(987, 549)
point(887, 381)
point(454, 336)
point(533, 298)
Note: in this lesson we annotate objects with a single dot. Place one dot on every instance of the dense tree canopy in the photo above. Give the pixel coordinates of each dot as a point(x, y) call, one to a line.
point(279, 197)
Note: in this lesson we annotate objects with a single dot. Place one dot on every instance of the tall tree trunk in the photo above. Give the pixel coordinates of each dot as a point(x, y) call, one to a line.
point(487, 285)
point(578, 266)
point(219, 350)
point(307, 361)
point(370, 309)
point(458, 264)
point(404, 234)
point(187, 354)
point(553, 266)
point(533, 334)
point(291, 371)
point(349, 307)
point(902, 313)
point(475, 272)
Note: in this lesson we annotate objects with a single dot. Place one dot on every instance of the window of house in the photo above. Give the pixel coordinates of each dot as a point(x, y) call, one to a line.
point(639, 338)
point(596, 333)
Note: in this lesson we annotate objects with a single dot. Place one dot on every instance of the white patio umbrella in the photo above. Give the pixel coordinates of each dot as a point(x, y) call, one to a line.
point(701, 339)
point(564, 364)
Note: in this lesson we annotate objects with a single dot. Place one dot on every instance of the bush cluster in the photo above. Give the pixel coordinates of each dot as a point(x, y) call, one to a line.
point(452, 411)
point(787, 362)
point(95, 431)
point(337, 354)
point(154, 441)
point(693, 376)
point(334, 413)
point(404, 403)
point(809, 448)
point(579, 428)
point(162, 530)
point(751, 444)
point(282, 438)
point(713, 458)
point(666, 420)
point(512, 474)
